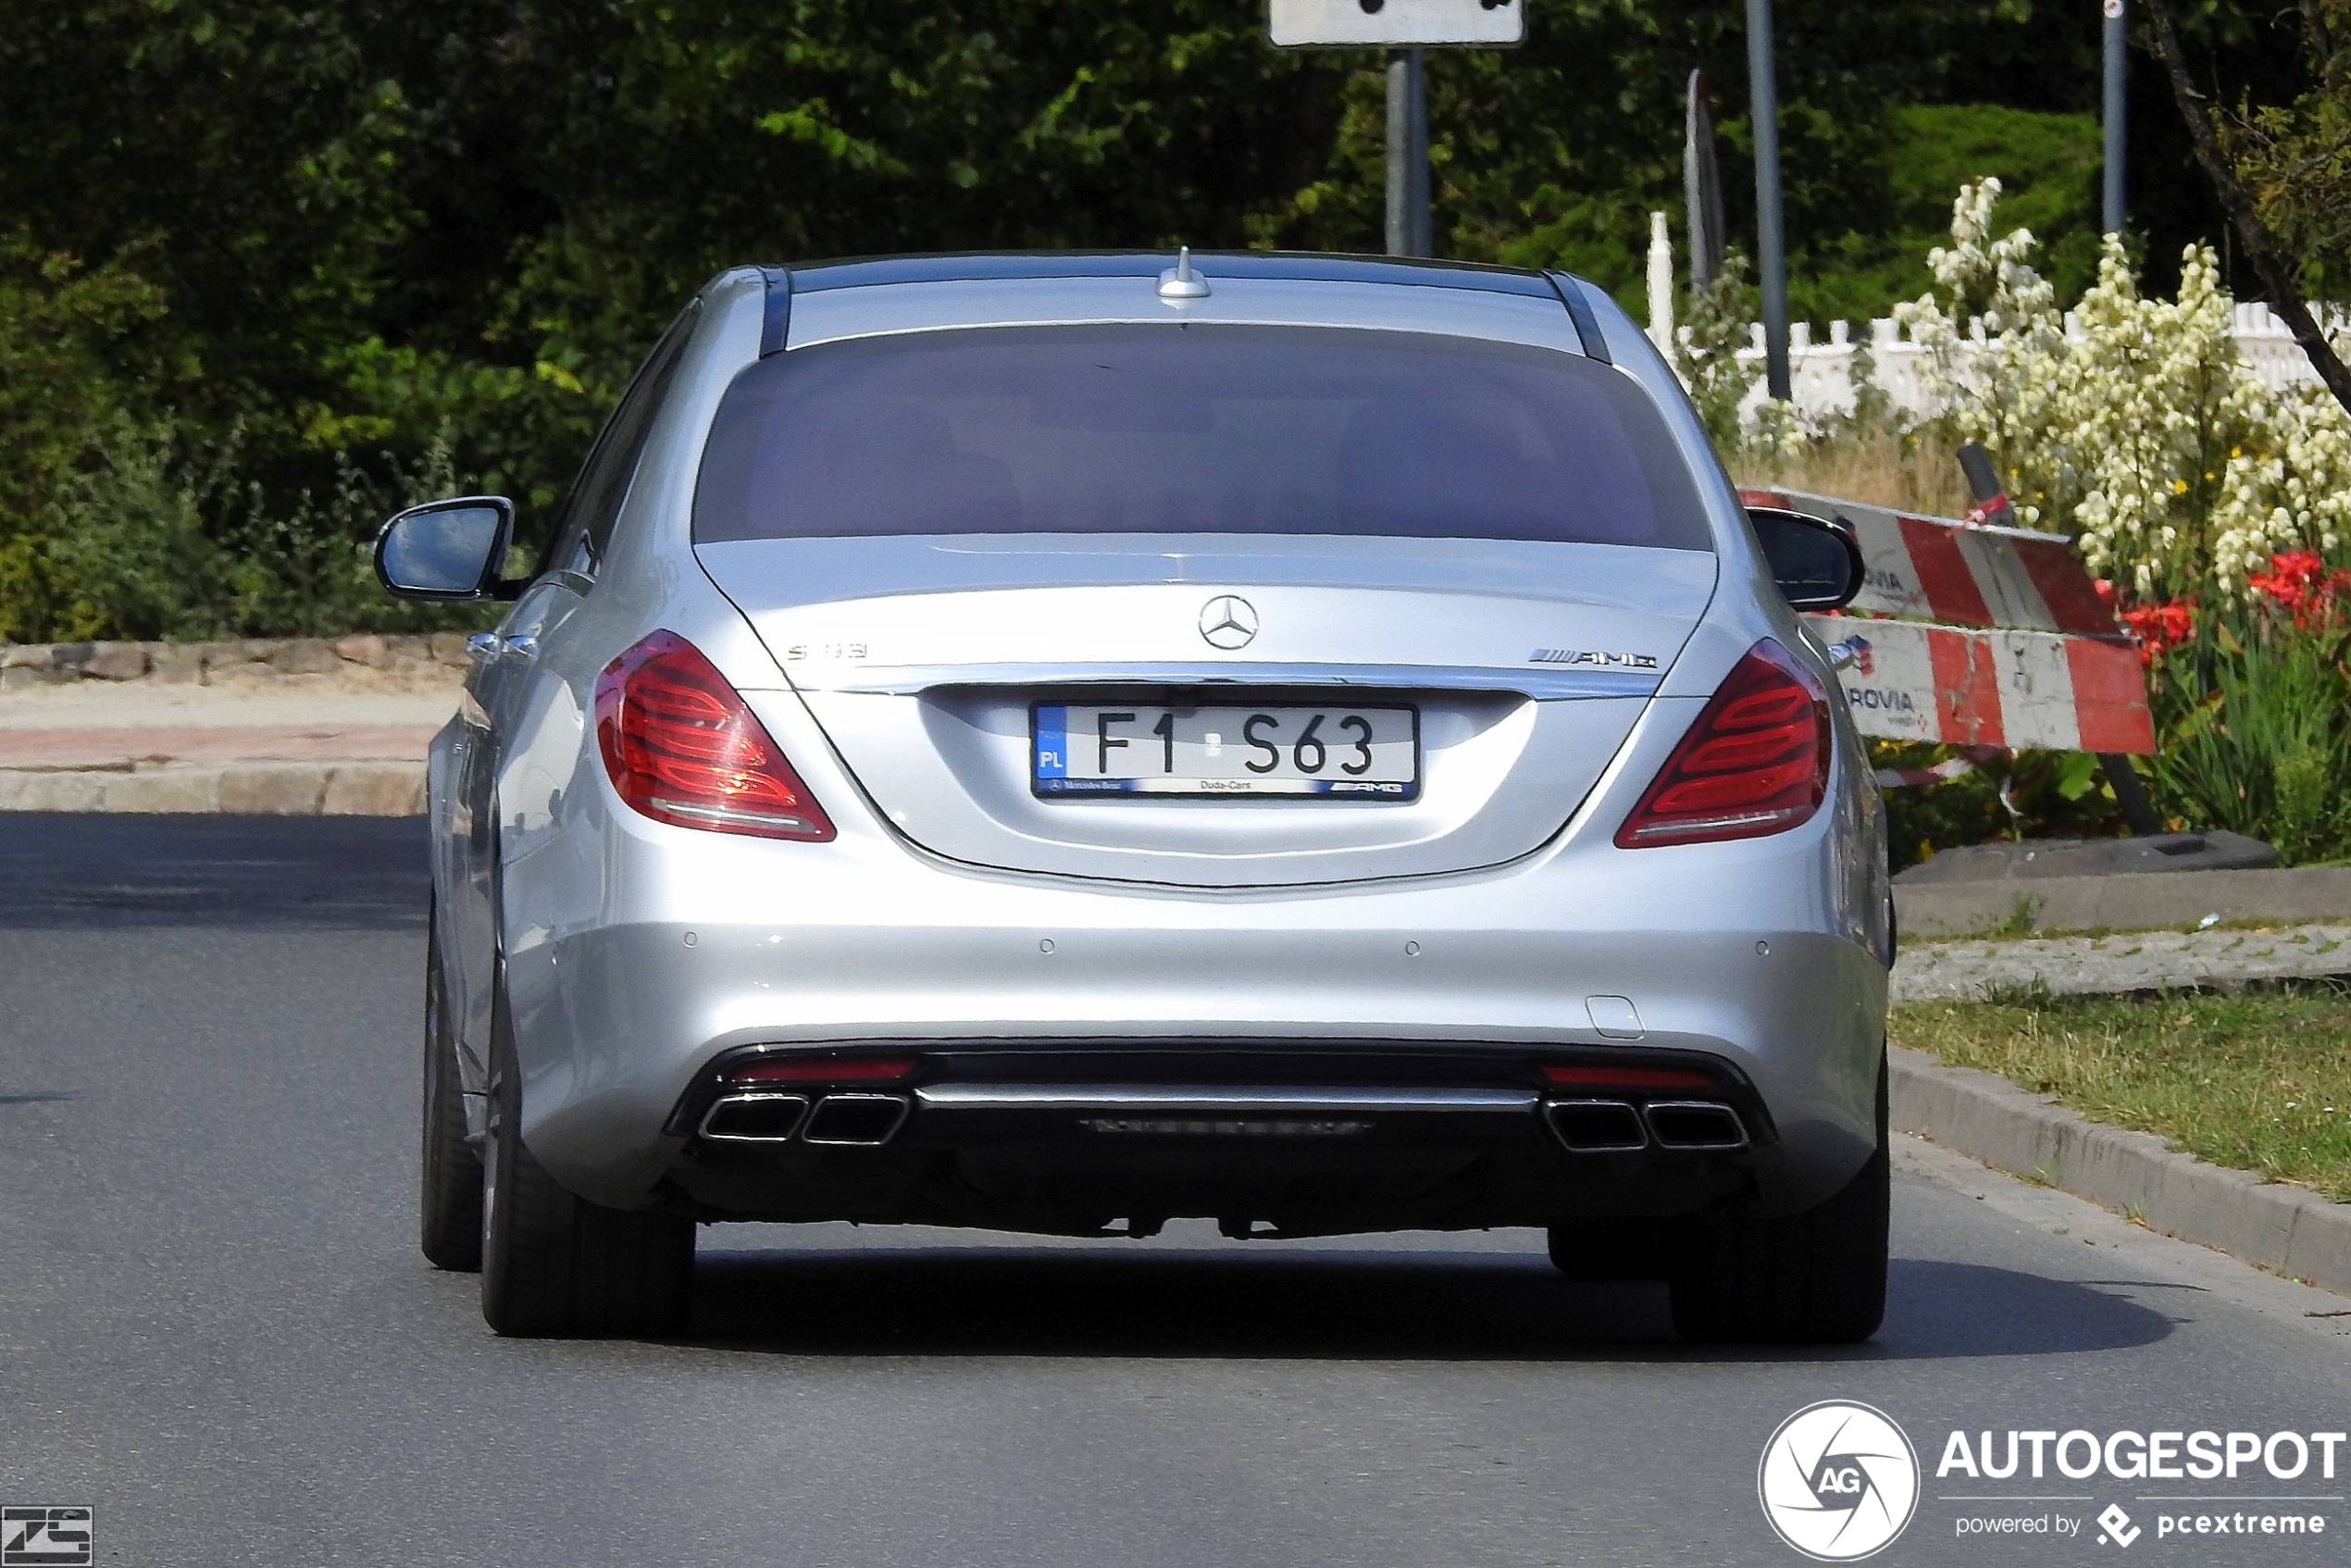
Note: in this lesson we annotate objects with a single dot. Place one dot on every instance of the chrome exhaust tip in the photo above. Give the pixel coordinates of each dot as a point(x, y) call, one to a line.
point(857, 1121)
point(754, 1117)
point(1695, 1124)
point(1596, 1126)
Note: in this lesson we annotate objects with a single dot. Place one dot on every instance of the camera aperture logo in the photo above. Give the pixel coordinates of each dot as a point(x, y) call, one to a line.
point(1839, 1481)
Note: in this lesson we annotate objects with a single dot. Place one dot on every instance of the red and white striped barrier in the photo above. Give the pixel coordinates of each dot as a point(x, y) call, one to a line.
point(2021, 689)
point(1959, 574)
point(2025, 653)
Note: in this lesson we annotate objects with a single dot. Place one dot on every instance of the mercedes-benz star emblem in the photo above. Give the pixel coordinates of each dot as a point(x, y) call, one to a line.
point(1228, 621)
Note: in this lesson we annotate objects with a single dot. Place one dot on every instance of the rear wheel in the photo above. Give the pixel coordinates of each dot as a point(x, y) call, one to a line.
point(1815, 1278)
point(449, 1200)
point(553, 1263)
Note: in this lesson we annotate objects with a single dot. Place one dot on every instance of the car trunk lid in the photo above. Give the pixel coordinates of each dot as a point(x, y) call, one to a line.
point(1527, 665)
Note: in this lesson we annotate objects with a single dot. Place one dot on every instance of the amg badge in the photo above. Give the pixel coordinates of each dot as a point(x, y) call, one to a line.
point(1592, 657)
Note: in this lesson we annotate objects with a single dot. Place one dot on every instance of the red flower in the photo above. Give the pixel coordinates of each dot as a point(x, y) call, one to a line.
point(2303, 585)
point(2158, 627)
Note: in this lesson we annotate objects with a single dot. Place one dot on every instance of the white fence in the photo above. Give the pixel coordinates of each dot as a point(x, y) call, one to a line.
point(1819, 374)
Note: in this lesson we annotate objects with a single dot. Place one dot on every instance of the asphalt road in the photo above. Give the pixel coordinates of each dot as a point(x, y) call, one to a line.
point(215, 1328)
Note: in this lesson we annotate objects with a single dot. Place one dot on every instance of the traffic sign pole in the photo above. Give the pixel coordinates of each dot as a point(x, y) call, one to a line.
point(1406, 29)
point(2117, 50)
point(1771, 246)
point(1409, 224)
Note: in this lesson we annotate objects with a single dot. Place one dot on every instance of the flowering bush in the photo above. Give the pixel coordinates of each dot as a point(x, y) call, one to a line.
point(2135, 425)
point(2211, 505)
point(2253, 709)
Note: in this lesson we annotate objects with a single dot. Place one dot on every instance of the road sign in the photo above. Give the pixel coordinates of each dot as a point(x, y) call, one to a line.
point(1396, 23)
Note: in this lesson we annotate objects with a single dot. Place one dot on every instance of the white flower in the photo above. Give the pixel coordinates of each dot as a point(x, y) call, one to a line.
point(2144, 434)
point(2147, 436)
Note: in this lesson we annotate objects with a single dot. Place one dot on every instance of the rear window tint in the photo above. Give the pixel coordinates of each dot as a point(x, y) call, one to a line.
point(1193, 428)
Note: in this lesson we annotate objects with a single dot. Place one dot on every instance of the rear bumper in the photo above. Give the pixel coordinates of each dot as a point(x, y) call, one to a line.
point(647, 961)
point(1084, 1140)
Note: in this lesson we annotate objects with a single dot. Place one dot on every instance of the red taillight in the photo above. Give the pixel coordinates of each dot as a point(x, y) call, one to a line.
point(826, 1069)
point(682, 747)
point(1756, 762)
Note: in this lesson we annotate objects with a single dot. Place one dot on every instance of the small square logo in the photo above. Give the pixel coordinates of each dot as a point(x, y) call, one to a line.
point(45, 1537)
point(2118, 1528)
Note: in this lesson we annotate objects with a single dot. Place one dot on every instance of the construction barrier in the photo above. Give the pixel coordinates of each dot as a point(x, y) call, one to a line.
point(2018, 650)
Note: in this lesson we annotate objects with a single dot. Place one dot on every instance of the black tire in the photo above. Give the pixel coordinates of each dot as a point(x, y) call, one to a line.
point(553, 1263)
point(1598, 1251)
point(1817, 1277)
point(449, 1196)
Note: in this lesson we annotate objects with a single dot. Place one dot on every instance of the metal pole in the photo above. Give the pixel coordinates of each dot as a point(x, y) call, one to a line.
point(1408, 216)
point(1763, 93)
point(1701, 185)
point(2117, 46)
point(1424, 221)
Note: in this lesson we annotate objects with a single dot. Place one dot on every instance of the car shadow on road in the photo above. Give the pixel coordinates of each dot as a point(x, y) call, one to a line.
point(107, 872)
point(1330, 1305)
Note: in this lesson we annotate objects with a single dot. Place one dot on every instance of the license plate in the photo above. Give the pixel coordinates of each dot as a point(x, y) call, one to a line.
point(1372, 754)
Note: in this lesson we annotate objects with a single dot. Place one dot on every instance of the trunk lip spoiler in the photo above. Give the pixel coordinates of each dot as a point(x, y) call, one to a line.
point(1541, 684)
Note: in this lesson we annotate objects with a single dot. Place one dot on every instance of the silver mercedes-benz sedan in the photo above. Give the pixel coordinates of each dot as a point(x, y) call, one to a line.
point(1065, 743)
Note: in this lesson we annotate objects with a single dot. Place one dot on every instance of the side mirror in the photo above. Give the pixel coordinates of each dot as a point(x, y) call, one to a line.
point(1816, 562)
point(447, 550)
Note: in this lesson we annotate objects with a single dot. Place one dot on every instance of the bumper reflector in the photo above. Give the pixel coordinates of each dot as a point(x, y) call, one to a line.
point(1626, 1078)
point(825, 1069)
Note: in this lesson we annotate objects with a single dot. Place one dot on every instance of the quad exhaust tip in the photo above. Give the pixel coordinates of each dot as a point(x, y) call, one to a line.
point(1695, 1123)
point(1617, 1127)
point(1596, 1127)
point(840, 1121)
point(862, 1121)
point(755, 1117)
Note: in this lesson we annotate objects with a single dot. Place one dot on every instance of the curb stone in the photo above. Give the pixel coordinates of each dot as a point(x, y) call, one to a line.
point(2123, 901)
point(262, 788)
point(2287, 1229)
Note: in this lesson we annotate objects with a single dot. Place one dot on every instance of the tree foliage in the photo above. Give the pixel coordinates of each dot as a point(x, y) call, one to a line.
point(349, 229)
point(2295, 156)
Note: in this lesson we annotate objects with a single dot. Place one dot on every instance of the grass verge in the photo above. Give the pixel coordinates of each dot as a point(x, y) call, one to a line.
point(2259, 1080)
point(2293, 933)
point(1920, 474)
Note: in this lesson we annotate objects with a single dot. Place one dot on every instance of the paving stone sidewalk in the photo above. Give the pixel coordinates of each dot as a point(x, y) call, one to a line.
point(2127, 960)
point(129, 747)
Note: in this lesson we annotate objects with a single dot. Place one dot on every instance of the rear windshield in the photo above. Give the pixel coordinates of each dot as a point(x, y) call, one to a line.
point(1193, 428)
